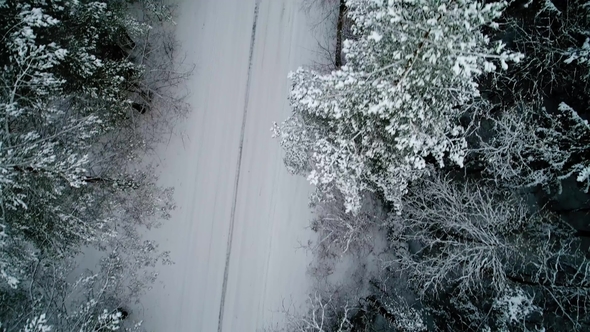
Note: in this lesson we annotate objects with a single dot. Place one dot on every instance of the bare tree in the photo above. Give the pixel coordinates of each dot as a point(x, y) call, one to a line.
point(342, 233)
point(461, 237)
point(530, 146)
point(326, 312)
point(552, 35)
point(470, 240)
point(338, 310)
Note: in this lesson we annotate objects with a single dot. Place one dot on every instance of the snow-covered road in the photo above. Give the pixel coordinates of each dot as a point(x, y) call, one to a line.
point(240, 215)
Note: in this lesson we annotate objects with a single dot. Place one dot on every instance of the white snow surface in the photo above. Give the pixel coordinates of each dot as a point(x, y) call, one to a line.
point(202, 161)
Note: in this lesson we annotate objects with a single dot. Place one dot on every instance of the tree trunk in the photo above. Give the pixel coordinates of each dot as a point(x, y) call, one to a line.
point(341, 16)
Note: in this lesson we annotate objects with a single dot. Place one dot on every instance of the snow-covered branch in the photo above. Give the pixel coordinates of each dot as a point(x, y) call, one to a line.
point(532, 147)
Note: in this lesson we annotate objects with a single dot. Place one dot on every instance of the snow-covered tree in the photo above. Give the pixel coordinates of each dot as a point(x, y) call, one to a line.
point(529, 146)
point(333, 311)
point(512, 309)
point(463, 233)
point(72, 300)
point(473, 244)
point(62, 87)
point(325, 313)
point(410, 74)
point(342, 233)
point(73, 77)
point(553, 35)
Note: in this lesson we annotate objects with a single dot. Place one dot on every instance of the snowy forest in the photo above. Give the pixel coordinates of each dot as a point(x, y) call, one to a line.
point(86, 90)
point(448, 144)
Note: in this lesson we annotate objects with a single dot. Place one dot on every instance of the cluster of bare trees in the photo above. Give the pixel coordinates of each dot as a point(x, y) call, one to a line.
point(467, 256)
point(478, 244)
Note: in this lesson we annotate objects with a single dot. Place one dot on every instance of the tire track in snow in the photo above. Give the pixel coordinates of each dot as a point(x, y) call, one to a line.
point(237, 176)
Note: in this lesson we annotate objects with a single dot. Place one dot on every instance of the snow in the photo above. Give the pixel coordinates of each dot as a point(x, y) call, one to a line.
point(515, 306)
point(217, 192)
